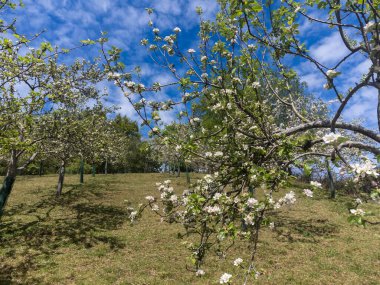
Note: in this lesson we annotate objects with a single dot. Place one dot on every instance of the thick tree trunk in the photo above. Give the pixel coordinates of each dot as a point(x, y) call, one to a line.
point(331, 181)
point(106, 167)
point(8, 182)
point(60, 179)
point(93, 170)
point(81, 171)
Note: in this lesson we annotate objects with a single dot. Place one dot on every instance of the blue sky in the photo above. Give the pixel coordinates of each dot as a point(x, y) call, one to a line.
point(68, 21)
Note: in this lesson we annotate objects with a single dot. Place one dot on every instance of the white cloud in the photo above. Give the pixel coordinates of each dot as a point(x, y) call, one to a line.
point(363, 108)
point(329, 50)
point(313, 80)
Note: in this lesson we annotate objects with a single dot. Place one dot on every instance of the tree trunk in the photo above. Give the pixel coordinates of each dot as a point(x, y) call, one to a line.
point(8, 182)
point(93, 170)
point(178, 170)
point(41, 168)
point(61, 177)
point(187, 175)
point(106, 167)
point(378, 108)
point(251, 190)
point(331, 181)
point(81, 171)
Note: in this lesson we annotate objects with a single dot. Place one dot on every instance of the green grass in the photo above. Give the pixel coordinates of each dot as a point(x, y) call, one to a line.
point(84, 237)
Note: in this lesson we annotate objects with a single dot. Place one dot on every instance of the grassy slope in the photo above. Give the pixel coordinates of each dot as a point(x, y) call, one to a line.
point(84, 238)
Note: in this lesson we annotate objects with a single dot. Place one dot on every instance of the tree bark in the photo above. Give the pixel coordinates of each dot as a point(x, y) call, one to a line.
point(81, 171)
point(93, 170)
point(187, 175)
point(41, 168)
point(106, 167)
point(327, 124)
point(8, 182)
point(378, 103)
point(178, 170)
point(60, 179)
point(331, 181)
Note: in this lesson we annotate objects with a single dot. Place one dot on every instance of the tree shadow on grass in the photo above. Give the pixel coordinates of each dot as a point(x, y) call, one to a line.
point(37, 232)
point(291, 229)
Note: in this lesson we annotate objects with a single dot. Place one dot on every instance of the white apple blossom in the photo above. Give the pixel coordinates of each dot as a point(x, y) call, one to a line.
point(133, 215)
point(225, 278)
point(129, 84)
point(365, 168)
point(289, 198)
point(208, 178)
point(156, 30)
point(271, 225)
point(208, 154)
point(177, 30)
point(369, 27)
point(190, 50)
point(256, 84)
point(357, 212)
point(204, 75)
point(316, 184)
point(168, 39)
point(238, 261)
point(358, 201)
point(251, 202)
point(150, 198)
point(249, 219)
point(331, 73)
point(213, 210)
point(141, 87)
point(185, 201)
point(155, 208)
point(217, 196)
point(308, 192)
point(173, 198)
point(331, 137)
point(200, 273)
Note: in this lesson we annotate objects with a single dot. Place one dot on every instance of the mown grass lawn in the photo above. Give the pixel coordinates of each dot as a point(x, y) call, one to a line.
point(84, 237)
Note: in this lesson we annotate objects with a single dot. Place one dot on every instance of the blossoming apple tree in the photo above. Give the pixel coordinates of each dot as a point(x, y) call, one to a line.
point(32, 85)
point(242, 74)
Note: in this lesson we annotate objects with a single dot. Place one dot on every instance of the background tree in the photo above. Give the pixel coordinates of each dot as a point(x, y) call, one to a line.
point(33, 84)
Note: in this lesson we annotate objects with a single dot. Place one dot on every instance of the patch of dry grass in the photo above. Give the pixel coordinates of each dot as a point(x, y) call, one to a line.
point(84, 238)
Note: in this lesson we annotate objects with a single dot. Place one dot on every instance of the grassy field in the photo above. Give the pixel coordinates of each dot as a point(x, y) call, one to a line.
point(84, 237)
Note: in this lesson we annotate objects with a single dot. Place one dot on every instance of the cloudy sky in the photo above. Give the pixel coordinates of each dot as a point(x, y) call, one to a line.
point(66, 22)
